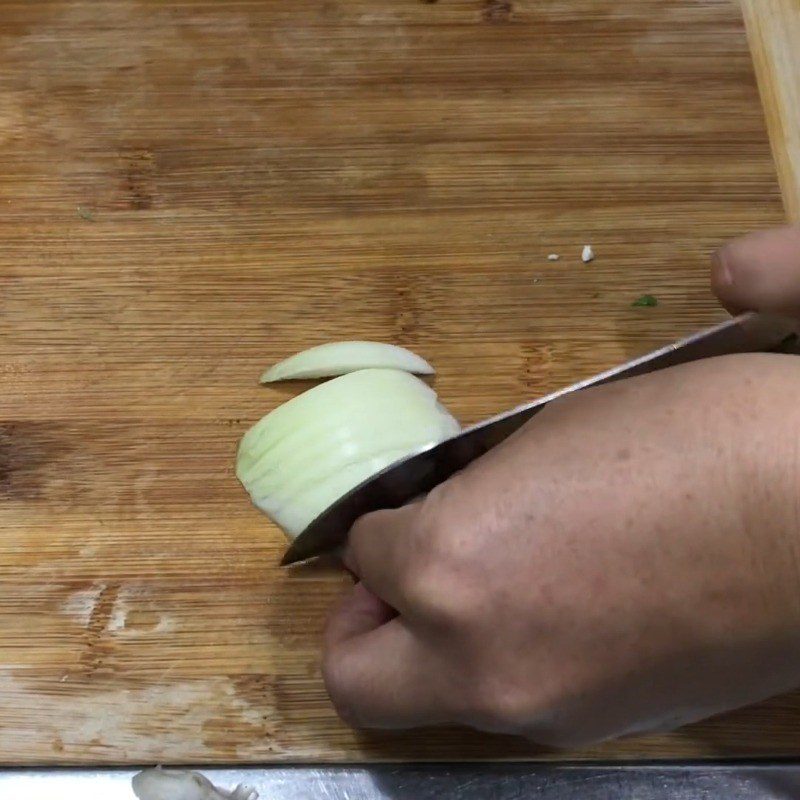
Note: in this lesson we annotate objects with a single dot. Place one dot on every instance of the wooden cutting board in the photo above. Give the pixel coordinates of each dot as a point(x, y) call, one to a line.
point(192, 190)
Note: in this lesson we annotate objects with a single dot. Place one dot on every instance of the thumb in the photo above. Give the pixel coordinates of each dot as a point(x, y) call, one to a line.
point(760, 272)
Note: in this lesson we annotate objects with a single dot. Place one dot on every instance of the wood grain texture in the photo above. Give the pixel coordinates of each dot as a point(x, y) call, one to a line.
point(774, 30)
point(191, 190)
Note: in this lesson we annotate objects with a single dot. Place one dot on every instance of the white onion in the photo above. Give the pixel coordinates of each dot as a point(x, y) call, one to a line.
point(174, 784)
point(303, 456)
point(339, 358)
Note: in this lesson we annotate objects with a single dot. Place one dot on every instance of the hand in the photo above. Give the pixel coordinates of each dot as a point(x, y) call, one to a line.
point(627, 562)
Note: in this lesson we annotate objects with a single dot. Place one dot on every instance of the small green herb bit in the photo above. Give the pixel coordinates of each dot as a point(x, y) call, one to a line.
point(84, 213)
point(645, 300)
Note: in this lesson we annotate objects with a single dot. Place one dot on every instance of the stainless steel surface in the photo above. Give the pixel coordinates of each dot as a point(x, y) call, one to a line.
point(420, 473)
point(434, 782)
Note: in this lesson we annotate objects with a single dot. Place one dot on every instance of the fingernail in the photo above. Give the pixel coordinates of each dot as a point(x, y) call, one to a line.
point(722, 269)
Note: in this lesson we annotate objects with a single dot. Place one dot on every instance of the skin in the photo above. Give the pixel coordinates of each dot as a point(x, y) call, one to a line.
point(626, 563)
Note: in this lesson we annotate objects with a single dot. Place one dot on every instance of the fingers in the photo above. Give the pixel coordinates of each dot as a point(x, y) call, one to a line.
point(359, 612)
point(378, 550)
point(760, 272)
point(376, 673)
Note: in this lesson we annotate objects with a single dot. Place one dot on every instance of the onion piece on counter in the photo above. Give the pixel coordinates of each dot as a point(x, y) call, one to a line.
point(303, 456)
point(175, 784)
point(340, 358)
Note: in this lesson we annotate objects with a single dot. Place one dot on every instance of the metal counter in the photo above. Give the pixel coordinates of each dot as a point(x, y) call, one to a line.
point(440, 782)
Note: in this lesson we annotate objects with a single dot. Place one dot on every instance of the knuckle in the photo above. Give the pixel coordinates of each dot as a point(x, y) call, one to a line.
point(337, 682)
point(502, 700)
point(423, 571)
point(430, 592)
point(437, 534)
point(361, 532)
point(498, 707)
point(502, 705)
point(417, 584)
point(364, 525)
point(428, 568)
point(435, 579)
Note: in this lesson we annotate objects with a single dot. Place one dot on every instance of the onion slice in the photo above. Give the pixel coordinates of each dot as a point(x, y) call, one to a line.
point(302, 457)
point(175, 784)
point(340, 358)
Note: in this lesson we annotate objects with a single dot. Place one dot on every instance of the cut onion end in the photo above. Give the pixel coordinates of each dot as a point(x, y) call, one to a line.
point(302, 457)
point(340, 358)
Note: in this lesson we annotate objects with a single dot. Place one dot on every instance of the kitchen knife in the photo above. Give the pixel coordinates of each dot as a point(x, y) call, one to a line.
point(417, 474)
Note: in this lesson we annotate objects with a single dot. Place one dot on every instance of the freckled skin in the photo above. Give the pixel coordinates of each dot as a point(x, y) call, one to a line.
point(627, 562)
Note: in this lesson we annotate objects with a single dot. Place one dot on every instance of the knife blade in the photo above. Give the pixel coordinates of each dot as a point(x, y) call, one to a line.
point(419, 473)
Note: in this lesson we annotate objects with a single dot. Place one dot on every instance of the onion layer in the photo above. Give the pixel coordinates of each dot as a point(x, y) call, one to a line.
point(340, 358)
point(303, 456)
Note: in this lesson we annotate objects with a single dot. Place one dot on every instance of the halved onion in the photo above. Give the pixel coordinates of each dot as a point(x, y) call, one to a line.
point(303, 456)
point(340, 358)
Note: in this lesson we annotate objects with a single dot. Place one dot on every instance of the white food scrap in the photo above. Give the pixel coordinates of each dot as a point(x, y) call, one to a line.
point(553, 257)
point(588, 254)
point(174, 784)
